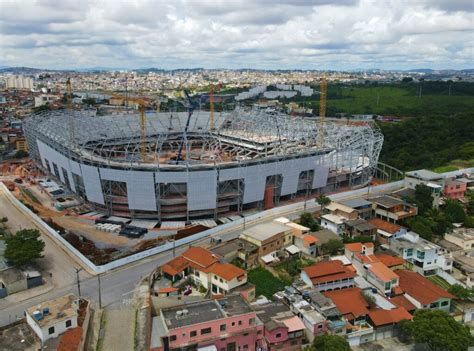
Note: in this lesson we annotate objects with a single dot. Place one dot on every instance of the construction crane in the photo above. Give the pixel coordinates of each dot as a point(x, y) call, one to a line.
point(190, 106)
point(323, 88)
point(142, 105)
point(211, 105)
point(69, 106)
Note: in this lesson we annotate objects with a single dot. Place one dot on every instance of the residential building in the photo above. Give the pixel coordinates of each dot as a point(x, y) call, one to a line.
point(334, 223)
point(361, 249)
point(45, 99)
point(402, 301)
point(227, 323)
point(12, 280)
point(392, 209)
point(329, 275)
point(205, 270)
point(354, 309)
point(385, 230)
point(431, 179)
point(392, 262)
point(314, 321)
point(326, 307)
point(269, 237)
point(322, 237)
point(385, 321)
point(307, 244)
point(52, 318)
point(454, 189)
point(425, 256)
point(360, 227)
point(363, 207)
point(462, 237)
point(283, 330)
point(337, 209)
point(237, 249)
point(422, 293)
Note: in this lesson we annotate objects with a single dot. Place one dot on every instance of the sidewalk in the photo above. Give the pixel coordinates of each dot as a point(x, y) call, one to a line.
point(119, 328)
point(27, 294)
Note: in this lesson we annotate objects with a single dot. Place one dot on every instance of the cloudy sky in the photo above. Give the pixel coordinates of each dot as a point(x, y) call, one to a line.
point(270, 34)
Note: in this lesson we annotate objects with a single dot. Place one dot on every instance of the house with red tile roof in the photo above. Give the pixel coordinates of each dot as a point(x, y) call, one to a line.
point(384, 321)
point(329, 275)
point(385, 230)
point(402, 301)
point(392, 262)
point(206, 270)
point(422, 293)
point(382, 277)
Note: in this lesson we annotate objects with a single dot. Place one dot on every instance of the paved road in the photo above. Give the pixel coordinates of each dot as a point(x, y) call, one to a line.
point(117, 286)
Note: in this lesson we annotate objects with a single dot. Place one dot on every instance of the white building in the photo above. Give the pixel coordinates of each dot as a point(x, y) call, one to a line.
point(19, 82)
point(52, 318)
point(431, 179)
point(427, 258)
point(45, 99)
point(334, 223)
point(462, 237)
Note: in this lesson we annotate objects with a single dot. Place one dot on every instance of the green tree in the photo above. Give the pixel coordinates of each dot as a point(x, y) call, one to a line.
point(423, 198)
point(439, 331)
point(460, 292)
point(24, 247)
point(469, 222)
point(332, 246)
point(307, 220)
point(422, 226)
point(369, 299)
point(330, 343)
point(323, 201)
point(454, 211)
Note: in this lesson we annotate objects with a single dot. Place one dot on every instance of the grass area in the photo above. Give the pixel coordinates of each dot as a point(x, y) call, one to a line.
point(294, 265)
point(440, 281)
point(443, 169)
point(265, 283)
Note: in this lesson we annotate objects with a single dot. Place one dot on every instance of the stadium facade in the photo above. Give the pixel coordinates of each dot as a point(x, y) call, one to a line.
point(252, 160)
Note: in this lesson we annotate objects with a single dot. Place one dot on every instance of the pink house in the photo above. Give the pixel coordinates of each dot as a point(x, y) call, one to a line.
point(454, 189)
point(228, 323)
point(283, 330)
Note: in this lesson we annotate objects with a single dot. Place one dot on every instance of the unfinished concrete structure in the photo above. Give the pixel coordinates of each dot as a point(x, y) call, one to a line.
point(251, 160)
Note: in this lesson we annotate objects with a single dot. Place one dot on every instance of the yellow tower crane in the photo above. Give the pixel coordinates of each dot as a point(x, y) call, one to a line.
point(322, 109)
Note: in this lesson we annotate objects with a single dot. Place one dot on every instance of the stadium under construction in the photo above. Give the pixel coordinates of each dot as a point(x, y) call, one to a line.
point(179, 168)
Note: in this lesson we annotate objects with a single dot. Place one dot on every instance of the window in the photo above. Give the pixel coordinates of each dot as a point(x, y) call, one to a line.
point(233, 324)
point(193, 333)
point(387, 286)
point(223, 327)
point(172, 337)
point(196, 273)
point(221, 280)
point(252, 321)
point(409, 252)
point(240, 322)
point(51, 330)
point(206, 331)
point(320, 326)
point(68, 323)
point(445, 303)
point(246, 347)
point(183, 335)
point(434, 305)
point(278, 335)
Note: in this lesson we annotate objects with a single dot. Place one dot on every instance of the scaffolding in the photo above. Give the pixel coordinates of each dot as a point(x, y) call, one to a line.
point(241, 138)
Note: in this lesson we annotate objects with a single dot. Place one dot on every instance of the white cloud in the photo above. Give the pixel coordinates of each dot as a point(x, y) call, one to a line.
point(237, 33)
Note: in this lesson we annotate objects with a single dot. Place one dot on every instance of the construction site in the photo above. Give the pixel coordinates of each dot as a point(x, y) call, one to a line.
point(183, 166)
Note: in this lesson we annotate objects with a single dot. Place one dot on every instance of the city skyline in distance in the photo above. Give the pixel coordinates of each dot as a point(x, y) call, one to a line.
point(346, 35)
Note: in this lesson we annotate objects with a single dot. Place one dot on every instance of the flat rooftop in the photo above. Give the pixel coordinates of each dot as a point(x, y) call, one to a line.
point(189, 314)
point(62, 308)
point(204, 311)
point(265, 231)
point(424, 174)
point(387, 201)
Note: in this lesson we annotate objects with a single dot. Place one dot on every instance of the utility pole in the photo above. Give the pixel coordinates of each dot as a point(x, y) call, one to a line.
point(78, 281)
point(100, 292)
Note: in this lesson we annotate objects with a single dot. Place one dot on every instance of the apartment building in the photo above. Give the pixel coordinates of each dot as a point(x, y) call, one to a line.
point(227, 323)
point(462, 237)
point(425, 256)
point(385, 230)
